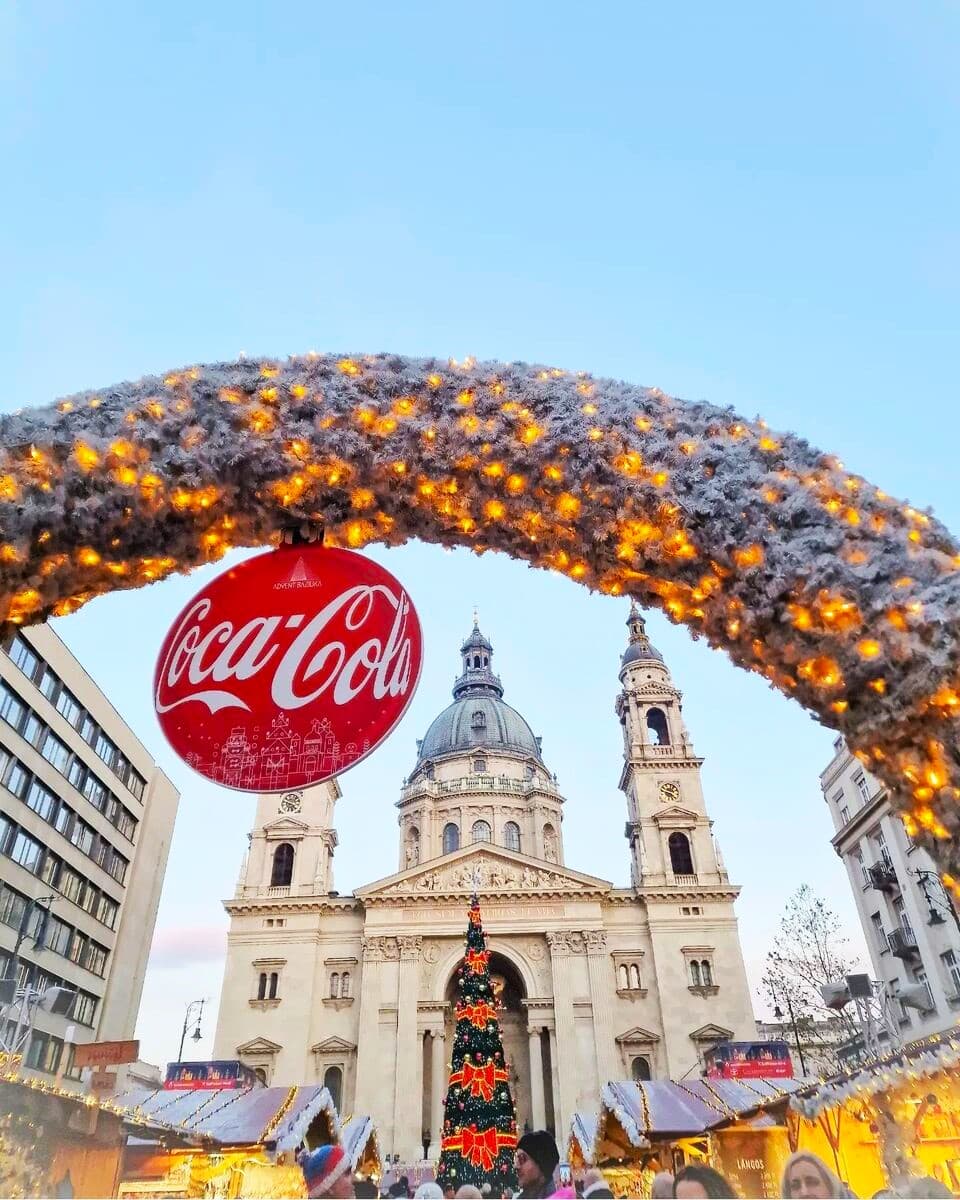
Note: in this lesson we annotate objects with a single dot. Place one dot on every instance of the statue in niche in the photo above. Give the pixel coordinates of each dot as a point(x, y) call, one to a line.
point(413, 854)
point(550, 848)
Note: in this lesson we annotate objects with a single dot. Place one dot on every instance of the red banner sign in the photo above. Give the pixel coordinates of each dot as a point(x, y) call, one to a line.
point(288, 668)
point(105, 1054)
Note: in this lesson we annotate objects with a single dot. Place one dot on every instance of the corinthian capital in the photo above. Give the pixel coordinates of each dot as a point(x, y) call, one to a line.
point(596, 940)
point(410, 947)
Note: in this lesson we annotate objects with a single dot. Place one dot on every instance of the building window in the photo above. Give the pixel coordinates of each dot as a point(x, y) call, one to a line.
point(878, 931)
point(69, 708)
point(695, 973)
point(24, 657)
point(623, 979)
point(634, 976)
point(345, 986)
point(333, 1082)
point(55, 752)
point(862, 787)
point(282, 872)
point(478, 720)
point(40, 800)
point(844, 815)
point(657, 725)
point(640, 1069)
point(26, 851)
point(882, 847)
point(681, 860)
point(952, 967)
point(49, 684)
point(511, 836)
point(479, 766)
point(706, 973)
point(921, 978)
point(262, 986)
point(451, 838)
point(12, 707)
point(274, 983)
point(900, 910)
point(481, 832)
point(864, 873)
point(334, 985)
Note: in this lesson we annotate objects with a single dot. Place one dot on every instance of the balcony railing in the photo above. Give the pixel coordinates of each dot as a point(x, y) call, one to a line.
point(902, 943)
point(685, 880)
point(477, 783)
point(882, 876)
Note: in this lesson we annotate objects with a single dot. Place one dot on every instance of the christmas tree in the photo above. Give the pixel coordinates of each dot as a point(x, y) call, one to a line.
point(479, 1119)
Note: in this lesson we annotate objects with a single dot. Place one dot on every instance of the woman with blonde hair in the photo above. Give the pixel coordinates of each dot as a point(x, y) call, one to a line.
point(807, 1177)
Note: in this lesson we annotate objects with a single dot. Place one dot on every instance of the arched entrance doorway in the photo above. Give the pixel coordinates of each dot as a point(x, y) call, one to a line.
point(511, 992)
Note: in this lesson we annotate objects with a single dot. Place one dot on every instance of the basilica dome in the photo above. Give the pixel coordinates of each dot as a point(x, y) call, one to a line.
point(478, 718)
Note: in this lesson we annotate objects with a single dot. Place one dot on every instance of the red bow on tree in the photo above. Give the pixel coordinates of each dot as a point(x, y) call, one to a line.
point(480, 1081)
point(476, 960)
point(477, 1014)
point(480, 1149)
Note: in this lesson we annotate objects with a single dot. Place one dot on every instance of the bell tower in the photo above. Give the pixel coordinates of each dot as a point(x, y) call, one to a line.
point(292, 844)
point(669, 832)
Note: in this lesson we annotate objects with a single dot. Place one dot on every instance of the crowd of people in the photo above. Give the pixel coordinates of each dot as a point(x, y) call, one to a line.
point(539, 1175)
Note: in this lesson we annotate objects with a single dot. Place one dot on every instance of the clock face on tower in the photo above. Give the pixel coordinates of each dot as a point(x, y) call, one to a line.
point(669, 793)
point(291, 802)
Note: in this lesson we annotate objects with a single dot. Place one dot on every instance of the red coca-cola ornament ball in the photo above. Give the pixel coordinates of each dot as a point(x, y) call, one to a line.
point(288, 668)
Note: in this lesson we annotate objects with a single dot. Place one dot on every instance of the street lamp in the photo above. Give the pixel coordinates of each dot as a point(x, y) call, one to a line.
point(191, 1022)
point(778, 1014)
point(940, 901)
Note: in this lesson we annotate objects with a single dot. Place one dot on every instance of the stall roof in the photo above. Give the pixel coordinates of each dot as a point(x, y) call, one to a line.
point(232, 1116)
point(913, 1062)
point(355, 1137)
point(664, 1108)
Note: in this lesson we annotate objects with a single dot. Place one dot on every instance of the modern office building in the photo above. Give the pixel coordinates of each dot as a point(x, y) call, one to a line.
point(86, 819)
point(909, 921)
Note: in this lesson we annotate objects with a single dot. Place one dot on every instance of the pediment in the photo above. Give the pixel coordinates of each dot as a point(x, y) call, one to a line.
point(712, 1033)
point(333, 1045)
point(487, 869)
point(286, 825)
point(676, 815)
point(259, 1045)
point(637, 1035)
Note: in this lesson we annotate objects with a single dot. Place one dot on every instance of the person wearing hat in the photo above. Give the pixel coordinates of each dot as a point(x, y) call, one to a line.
point(327, 1172)
point(536, 1159)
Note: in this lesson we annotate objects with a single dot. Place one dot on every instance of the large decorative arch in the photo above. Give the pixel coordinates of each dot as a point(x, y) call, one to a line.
point(844, 598)
point(448, 965)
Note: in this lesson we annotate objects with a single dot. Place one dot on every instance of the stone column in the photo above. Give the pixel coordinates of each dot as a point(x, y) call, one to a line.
point(439, 1086)
point(368, 1091)
point(406, 1113)
point(601, 987)
point(561, 946)
point(538, 1115)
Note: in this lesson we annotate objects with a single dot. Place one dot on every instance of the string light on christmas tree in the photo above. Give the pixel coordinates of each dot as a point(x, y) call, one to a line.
point(840, 596)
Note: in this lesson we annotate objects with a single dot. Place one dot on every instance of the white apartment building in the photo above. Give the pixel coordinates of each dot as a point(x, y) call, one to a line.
point(910, 925)
point(86, 819)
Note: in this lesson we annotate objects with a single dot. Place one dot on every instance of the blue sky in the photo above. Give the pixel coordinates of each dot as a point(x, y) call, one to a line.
point(751, 204)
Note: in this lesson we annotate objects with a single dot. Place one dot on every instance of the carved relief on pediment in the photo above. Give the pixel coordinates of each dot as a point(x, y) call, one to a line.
point(487, 876)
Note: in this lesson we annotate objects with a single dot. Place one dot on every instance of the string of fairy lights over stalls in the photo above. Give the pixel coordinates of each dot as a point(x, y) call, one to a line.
point(844, 598)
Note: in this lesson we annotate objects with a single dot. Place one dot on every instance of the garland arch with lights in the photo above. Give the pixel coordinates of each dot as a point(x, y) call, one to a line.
point(844, 598)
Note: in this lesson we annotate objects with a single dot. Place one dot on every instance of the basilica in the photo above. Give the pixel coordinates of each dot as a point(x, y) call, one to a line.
point(596, 982)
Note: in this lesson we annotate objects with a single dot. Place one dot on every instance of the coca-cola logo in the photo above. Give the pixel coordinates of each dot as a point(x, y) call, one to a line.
point(288, 668)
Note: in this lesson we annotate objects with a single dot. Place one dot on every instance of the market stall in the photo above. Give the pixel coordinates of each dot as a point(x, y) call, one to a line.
point(54, 1140)
point(225, 1142)
point(359, 1140)
point(642, 1128)
point(894, 1118)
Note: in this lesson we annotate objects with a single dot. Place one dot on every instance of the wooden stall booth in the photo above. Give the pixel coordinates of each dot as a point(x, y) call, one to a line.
point(225, 1142)
point(890, 1120)
point(660, 1125)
